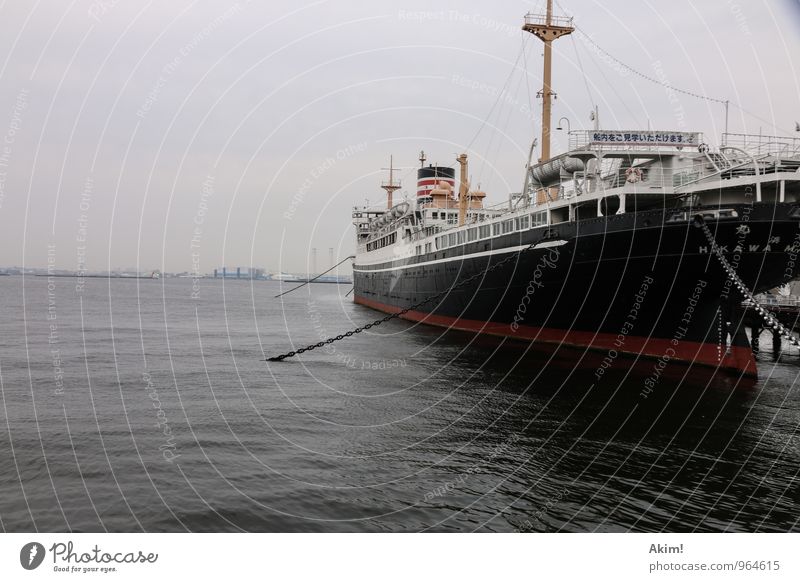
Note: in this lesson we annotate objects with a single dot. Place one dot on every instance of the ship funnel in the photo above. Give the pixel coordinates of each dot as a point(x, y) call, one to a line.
point(429, 179)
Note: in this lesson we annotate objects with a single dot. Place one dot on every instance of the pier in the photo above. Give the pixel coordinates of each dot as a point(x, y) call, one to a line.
point(785, 309)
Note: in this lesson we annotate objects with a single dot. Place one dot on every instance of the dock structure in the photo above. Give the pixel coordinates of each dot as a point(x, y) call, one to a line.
point(785, 309)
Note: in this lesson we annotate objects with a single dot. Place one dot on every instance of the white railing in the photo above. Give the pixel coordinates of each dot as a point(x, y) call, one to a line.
point(541, 20)
point(763, 144)
point(776, 300)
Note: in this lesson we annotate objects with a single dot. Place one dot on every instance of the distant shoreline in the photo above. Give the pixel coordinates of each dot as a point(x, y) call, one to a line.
point(205, 278)
point(76, 276)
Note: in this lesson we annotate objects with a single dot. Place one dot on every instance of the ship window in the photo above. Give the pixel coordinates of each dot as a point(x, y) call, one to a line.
point(472, 234)
point(452, 218)
point(435, 215)
point(460, 237)
point(539, 218)
point(523, 222)
point(508, 226)
point(485, 231)
point(496, 229)
point(451, 239)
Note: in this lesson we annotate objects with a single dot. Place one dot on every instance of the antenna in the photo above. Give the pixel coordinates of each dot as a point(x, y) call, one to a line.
point(463, 190)
point(389, 186)
point(422, 159)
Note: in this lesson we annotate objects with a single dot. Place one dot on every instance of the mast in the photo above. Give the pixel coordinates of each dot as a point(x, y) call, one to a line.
point(547, 28)
point(390, 186)
point(462, 191)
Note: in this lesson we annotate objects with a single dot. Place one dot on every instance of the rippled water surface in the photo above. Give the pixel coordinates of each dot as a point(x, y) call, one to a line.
point(132, 406)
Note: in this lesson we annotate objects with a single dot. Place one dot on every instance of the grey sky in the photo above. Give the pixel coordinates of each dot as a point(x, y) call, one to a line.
point(252, 128)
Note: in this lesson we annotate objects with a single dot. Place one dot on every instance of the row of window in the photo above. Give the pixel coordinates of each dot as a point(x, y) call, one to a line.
point(452, 217)
point(428, 248)
point(387, 240)
point(489, 230)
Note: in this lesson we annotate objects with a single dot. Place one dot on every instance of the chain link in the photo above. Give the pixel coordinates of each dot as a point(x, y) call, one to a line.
point(403, 311)
point(769, 319)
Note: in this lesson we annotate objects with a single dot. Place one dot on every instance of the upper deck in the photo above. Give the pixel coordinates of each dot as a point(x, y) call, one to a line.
point(647, 168)
point(604, 173)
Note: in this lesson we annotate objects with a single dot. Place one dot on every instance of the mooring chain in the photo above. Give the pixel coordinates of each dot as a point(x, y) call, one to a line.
point(768, 317)
point(402, 312)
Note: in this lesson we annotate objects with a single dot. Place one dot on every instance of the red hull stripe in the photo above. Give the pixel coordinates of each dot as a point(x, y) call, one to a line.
point(433, 181)
point(739, 359)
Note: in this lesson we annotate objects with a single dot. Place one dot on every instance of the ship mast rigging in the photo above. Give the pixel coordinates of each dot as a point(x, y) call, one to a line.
point(547, 28)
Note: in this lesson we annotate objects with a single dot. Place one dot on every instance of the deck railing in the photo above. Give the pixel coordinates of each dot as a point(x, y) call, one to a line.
point(541, 20)
point(776, 300)
point(763, 144)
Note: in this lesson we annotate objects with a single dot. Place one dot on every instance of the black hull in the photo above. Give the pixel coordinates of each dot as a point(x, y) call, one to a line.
point(632, 284)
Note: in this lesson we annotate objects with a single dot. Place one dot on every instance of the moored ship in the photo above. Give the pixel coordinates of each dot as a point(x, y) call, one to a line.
point(611, 246)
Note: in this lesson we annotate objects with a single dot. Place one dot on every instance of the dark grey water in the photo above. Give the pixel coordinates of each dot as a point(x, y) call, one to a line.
point(132, 406)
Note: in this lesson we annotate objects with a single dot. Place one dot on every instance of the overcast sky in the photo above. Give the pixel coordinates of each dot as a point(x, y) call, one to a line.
point(135, 134)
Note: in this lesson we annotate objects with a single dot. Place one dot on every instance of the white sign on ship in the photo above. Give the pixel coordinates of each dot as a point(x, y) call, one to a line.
point(669, 138)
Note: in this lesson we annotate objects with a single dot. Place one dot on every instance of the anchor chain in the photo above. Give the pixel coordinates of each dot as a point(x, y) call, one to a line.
point(769, 319)
point(403, 311)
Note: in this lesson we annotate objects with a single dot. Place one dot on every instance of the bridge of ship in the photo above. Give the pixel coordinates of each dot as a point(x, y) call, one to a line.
point(609, 172)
